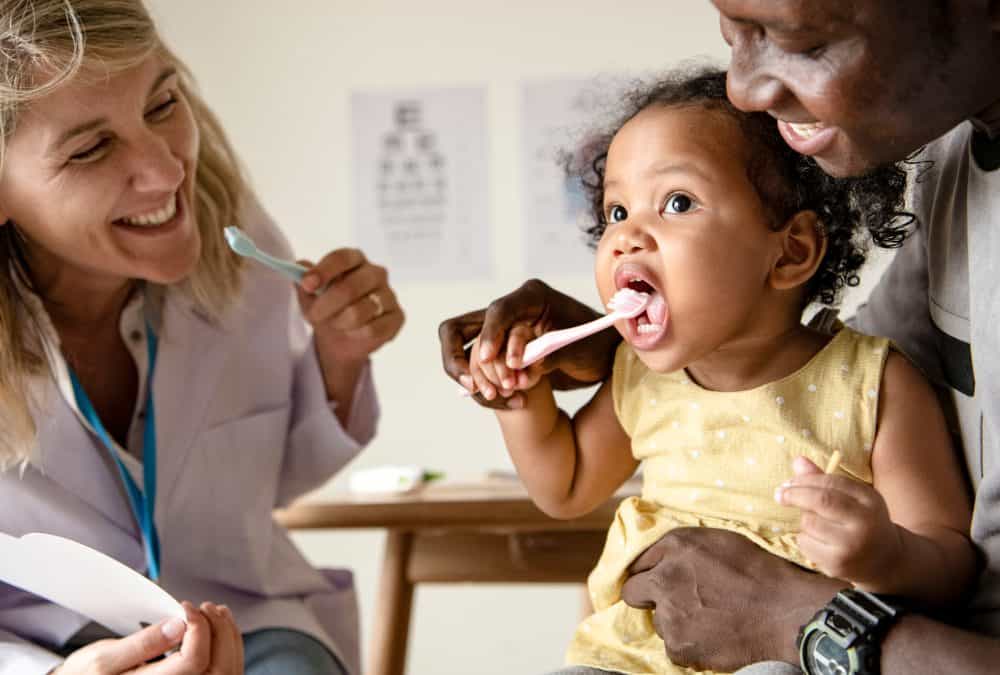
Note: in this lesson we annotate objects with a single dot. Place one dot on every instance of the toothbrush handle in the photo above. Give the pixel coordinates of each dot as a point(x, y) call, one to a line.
point(549, 342)
point(290, 269)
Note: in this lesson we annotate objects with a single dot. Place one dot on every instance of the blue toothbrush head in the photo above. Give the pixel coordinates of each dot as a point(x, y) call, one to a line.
point(239, 242)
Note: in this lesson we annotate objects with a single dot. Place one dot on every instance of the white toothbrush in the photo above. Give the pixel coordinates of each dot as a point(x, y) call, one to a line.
point(244, 246)
point(625, 304)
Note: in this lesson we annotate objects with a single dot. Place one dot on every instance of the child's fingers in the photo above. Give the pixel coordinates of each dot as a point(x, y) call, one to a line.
point(826, 502)
point(505, 378)
point(821, 553)
point(862, 493)
point(528, 378)
point(803, 466)
point(480, 379)
point(830, 532)
point(482, 382)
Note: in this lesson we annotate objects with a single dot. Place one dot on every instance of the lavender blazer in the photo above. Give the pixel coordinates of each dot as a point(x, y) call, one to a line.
point(243, 426)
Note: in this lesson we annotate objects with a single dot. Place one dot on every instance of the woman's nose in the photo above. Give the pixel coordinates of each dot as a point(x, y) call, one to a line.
point(155, 167)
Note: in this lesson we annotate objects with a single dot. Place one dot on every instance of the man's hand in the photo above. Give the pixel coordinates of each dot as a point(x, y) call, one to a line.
point(721, 602)
point(512, 321)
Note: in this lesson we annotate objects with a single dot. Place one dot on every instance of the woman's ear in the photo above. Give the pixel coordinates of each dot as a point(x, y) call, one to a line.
point(802, 248)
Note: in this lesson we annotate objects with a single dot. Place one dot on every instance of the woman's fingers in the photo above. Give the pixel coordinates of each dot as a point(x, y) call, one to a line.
point(332, 267)
point(227, 644)
point(195, 652)
point(128, 653)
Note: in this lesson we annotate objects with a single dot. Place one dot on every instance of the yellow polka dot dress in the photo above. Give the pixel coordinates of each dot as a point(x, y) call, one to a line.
point(713, 459)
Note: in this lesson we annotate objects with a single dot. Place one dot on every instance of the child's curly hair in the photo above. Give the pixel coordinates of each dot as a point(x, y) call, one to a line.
point(786, 181)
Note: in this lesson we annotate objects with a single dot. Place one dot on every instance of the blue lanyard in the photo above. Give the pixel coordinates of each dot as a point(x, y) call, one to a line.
point(142, 501)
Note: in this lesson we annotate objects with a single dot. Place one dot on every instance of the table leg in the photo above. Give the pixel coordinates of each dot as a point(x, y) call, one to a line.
point(392, 612)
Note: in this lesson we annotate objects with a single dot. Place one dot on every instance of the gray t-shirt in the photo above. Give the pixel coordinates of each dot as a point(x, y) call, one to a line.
point(940, 301)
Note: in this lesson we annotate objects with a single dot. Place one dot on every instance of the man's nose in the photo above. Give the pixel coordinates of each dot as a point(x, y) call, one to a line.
point(749, 84)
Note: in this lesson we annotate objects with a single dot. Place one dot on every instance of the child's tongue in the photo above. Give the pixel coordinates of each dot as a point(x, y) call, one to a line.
point(656, 311)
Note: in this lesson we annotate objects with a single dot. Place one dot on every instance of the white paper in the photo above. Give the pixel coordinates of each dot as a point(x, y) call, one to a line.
point(85, 581)
point(556, 117)
point(421, 202)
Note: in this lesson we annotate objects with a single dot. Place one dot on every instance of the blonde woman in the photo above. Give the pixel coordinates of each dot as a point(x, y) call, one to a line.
point(132, 342)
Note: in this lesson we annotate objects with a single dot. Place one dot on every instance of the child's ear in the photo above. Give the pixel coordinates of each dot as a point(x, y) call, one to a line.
point(802, 248)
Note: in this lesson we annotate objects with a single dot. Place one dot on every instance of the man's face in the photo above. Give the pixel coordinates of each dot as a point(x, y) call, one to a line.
point(858, 84)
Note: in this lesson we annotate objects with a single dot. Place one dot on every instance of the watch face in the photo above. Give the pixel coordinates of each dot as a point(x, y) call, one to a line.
point(823, 656)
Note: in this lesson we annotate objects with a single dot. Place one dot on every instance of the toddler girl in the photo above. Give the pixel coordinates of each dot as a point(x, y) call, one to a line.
point(718, 387)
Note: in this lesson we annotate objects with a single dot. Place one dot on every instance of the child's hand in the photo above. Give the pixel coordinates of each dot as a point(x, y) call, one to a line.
point(494, 377)
point(845, 529)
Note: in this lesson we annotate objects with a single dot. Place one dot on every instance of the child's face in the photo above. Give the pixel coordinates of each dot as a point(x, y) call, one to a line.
point(686, 224)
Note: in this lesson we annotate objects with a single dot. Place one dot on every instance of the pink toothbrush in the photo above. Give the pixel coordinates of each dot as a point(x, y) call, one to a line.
point(625, 304)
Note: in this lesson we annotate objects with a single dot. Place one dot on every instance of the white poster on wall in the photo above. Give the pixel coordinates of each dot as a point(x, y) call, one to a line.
point(421, 202)
point(557, 116)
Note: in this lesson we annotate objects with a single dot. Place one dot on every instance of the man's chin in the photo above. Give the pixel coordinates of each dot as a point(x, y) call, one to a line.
point(844, 167)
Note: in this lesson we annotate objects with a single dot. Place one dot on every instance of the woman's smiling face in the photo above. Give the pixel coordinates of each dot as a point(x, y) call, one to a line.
point(99, 178)
point(685, 222)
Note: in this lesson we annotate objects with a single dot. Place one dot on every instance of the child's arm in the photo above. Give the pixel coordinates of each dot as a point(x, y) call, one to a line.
point(909, 535)
point(569, 466)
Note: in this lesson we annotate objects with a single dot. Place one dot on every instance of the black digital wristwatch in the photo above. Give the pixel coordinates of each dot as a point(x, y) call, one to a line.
point(845, 637)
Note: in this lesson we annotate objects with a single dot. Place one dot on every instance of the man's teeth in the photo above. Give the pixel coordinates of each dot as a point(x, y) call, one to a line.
point(647, 328)
point(806, 130)
point(156, 217)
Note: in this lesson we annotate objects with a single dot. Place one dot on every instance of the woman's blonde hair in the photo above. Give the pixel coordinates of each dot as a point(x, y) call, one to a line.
point(43, 45)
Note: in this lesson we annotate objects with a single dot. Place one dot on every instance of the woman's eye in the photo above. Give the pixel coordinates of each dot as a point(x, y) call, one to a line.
point(162, 110)
point(678, 203)
point(617, 214)
point(96, 151)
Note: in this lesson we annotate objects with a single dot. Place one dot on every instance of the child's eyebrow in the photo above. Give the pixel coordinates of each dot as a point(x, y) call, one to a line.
point(685, 168)
point(679, 167)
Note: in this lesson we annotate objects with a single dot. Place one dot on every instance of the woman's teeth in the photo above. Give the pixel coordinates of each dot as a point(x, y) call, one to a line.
point(156, 217)
point(806, 130)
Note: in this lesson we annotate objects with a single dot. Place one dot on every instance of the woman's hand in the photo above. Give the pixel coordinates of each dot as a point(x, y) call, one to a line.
point(353, 312)
point(357, 311)
point(210, 644)
point(512, 321)
point(845, 529)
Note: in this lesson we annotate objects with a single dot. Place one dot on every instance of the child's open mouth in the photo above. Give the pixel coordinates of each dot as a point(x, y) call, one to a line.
point(646, 329)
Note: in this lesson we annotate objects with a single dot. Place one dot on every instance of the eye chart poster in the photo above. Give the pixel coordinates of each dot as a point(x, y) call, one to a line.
point(421, 185)
point(556, 117)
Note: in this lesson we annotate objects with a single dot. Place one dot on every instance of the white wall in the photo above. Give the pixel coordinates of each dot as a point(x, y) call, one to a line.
point(279, 74)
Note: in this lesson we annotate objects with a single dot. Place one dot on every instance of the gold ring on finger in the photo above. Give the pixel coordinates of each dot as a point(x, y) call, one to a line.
point(377, 301)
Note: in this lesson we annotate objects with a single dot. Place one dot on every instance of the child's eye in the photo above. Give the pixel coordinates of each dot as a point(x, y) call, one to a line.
point(679, 203)
point(617, 214)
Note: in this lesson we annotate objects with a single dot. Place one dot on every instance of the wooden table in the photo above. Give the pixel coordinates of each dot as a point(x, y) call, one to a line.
point(485, 532)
